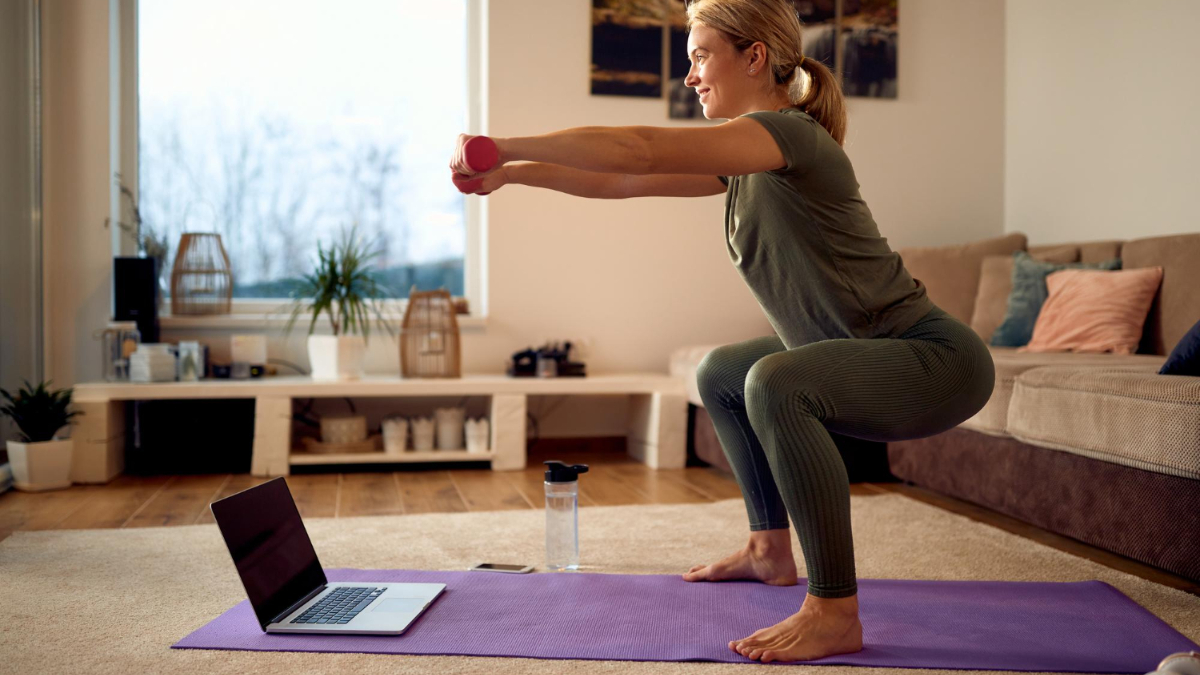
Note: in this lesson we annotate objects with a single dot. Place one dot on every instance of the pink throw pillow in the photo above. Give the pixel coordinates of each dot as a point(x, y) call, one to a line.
point(1095, 311)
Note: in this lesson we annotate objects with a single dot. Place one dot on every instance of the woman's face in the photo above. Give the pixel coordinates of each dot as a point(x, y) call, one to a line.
point(714, 72)
point(722, 79)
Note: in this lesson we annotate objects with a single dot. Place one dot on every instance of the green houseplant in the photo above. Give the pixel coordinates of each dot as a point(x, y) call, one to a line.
point(39, 461)
point(343, 288)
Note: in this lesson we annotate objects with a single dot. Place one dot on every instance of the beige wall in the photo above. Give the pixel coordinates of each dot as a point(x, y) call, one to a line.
point(1101, 135)
point(639, 278)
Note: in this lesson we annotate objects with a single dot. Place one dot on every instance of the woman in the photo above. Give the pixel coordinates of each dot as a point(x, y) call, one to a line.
point(859, 348)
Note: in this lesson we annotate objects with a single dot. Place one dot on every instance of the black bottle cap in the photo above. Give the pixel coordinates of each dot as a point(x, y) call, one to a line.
point(557, 472)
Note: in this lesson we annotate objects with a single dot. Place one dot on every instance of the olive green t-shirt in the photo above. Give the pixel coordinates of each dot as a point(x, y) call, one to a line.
point(805, 242)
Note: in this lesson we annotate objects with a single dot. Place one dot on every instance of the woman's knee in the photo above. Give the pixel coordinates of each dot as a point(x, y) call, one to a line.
point(717, 377)
point(721, 374)
point(770, 387)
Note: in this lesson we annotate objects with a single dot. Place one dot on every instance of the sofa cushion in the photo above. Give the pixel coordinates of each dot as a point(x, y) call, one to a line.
point(1099, 251)
point(993, 418)
point(1177, 305)
point(1129, 415)
point(951, 273)
point(995, 285)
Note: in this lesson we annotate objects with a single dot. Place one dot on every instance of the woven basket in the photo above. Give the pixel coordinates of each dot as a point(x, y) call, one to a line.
point(372, 444)
point(201, 280)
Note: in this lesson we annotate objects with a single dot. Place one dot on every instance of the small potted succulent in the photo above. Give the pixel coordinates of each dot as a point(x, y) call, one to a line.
point(345, 290)
point(39, 460)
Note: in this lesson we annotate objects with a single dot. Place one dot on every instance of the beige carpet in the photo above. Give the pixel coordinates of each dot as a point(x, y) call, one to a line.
point(114, 601)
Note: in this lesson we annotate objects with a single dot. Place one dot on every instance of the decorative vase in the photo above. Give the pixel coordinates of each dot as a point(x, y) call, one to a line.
point(450, 428)
point(422, 428)
point(41, 466)
point(477, 435)
point(395, 434)
point(336, 357)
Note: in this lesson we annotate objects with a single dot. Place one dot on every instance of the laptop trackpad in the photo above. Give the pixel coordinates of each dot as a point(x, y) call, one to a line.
point(407, 605)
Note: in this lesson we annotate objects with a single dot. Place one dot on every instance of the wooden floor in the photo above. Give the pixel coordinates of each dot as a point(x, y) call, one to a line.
point(613, 478)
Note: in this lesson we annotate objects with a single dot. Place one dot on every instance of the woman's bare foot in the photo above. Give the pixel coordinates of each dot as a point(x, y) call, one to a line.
point(766, 558)
point(823, 627)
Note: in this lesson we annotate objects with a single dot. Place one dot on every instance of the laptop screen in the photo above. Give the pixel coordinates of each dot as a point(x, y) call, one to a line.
point(270, 547)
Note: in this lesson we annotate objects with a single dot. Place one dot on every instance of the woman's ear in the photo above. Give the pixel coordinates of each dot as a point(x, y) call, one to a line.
point(758, 56)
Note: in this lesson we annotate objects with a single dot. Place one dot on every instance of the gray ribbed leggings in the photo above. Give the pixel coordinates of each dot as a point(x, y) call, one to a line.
point(773, 409)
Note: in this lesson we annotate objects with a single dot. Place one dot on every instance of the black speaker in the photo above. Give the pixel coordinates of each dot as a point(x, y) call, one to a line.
point(135, 294)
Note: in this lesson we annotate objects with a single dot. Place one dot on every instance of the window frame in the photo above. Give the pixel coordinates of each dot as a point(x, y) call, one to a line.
point(254, 312)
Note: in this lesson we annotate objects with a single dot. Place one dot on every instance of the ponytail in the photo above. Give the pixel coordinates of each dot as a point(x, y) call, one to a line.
point(822, 99)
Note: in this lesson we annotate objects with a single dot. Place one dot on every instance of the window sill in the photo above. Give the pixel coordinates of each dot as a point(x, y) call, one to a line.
point(250, 321)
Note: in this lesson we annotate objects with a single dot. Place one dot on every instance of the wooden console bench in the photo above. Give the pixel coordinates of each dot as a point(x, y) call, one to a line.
point(656, 428)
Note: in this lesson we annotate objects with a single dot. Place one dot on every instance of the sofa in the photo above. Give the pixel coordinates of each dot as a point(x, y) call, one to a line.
point(1097, 447)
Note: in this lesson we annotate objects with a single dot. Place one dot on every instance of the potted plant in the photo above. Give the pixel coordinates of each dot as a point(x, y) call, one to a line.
point(345, 290)
point(39, 461)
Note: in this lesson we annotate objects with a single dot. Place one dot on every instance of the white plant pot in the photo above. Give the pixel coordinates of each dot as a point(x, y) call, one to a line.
point(41, 466)
point(336, 357)
point(449, 428)
point(395, 435)
point(422, 433)
point(477, 435)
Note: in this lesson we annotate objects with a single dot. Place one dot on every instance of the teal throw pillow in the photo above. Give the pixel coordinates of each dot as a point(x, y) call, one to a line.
point(1029, 294)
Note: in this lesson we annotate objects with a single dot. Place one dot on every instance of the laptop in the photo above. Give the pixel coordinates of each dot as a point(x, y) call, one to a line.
point(285, 582)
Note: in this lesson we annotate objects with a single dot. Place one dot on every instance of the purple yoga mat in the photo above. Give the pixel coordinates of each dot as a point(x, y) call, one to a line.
point(1084, 626)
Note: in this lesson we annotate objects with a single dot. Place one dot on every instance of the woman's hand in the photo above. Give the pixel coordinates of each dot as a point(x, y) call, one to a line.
point(481, 151)
point(482, 183)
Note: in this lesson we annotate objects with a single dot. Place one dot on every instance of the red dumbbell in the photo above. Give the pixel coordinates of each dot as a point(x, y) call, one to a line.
point(481, 155)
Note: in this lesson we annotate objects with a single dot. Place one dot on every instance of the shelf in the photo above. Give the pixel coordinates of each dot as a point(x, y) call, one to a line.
point(656, 424)
point(297, 458)
point(383, 385)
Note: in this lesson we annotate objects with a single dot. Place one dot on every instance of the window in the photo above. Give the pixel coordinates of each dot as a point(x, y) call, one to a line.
point(277, 123)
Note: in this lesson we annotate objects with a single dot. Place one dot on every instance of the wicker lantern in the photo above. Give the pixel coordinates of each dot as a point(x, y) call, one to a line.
point(201, 282)
point(429, 341)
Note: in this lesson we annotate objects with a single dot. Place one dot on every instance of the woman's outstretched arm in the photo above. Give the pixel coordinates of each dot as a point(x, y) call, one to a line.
point(737, 147)
point(596, 185)
point(567, 180)
point(599, 149)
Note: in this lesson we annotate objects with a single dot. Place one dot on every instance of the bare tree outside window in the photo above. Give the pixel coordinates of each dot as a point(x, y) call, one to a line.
point(277, 123)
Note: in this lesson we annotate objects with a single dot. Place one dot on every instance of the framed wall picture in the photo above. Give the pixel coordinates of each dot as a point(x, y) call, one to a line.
point(870, 36)
point(627, 44)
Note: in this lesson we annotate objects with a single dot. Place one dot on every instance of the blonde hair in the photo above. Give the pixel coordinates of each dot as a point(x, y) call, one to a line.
point(775, 24)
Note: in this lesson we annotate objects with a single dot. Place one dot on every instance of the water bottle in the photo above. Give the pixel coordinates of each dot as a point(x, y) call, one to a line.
point(562, 515)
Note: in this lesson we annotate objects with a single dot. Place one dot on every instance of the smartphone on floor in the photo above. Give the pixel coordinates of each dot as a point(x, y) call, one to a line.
point(502, 567)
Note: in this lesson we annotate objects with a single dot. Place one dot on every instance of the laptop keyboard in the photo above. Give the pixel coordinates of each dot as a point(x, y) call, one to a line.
point(340, 606)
